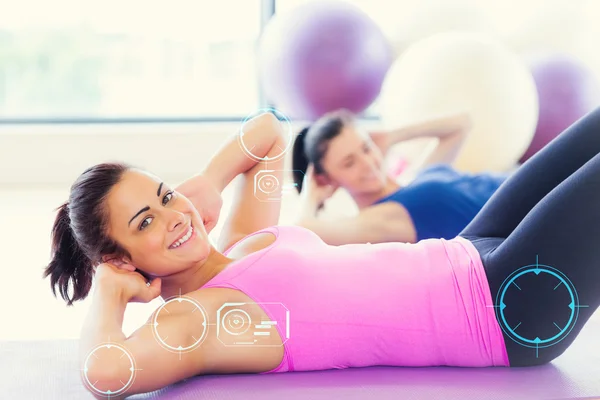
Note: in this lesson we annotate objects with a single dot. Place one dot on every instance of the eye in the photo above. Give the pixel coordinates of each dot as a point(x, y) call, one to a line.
point(145, 223)
point(349, 163)
point(167, 198)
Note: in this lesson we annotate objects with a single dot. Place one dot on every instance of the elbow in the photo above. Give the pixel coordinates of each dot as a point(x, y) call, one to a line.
point(101, 381)
point(269, 121)
point(267, 131)
point(396, 229)
point(466, 123)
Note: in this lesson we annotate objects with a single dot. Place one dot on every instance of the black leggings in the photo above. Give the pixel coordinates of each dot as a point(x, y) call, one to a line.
point(539, 240)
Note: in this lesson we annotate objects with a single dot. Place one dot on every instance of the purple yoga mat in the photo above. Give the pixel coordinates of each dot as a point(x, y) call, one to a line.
point(49, 370)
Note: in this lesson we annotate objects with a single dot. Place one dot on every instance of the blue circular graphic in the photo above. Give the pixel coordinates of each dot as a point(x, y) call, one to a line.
point(537, 272)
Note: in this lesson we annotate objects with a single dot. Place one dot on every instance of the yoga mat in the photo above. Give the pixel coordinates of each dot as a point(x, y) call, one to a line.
point(49, 370)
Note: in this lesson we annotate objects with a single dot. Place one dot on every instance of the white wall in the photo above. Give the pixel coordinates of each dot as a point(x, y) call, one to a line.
point(50, 155)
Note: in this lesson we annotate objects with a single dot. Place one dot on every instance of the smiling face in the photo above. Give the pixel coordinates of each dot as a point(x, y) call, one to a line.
point(352, 161)
point(160, 228)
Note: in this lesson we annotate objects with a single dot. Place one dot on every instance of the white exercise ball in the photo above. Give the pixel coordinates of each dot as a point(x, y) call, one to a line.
point(418, 19)
point(455, 72)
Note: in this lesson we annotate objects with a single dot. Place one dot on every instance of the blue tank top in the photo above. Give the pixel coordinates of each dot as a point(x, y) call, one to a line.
point(442, 201)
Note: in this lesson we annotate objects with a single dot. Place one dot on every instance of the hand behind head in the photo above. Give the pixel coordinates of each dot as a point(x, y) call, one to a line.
point(131, 285)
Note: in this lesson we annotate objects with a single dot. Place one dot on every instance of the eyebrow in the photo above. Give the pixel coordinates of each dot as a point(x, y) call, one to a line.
point(138, 213)
point(346, 158)
point(351, 155)
point(147, 207)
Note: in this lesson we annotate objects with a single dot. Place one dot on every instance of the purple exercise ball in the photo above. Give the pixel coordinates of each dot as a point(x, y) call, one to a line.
point(322, 56)
point(567, 91)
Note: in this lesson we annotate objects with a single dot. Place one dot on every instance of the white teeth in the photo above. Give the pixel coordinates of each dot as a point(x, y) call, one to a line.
point(183, 239)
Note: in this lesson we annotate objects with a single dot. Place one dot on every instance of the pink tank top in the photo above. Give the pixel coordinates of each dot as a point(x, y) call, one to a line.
point(358, 305)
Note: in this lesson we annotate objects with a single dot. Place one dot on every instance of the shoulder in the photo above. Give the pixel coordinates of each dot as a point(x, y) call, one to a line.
point(438, 171)
point(244, 245)
point(386, 209)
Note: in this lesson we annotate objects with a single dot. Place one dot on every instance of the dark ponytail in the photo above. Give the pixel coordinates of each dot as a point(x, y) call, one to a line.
point(311, 143)
point(79, 234)
point(69, 263)
point(299, 159)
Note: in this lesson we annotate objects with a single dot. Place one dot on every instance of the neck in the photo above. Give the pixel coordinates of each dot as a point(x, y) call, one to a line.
point(364, 200)
point(194, 278)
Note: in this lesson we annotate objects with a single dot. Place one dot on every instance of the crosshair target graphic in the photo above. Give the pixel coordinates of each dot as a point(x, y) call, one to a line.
point(248, 145)
point(121, 359)
point(549, 324)
point(196, 315)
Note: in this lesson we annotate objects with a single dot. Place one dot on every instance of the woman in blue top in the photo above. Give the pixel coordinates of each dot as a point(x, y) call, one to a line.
point(438, 203)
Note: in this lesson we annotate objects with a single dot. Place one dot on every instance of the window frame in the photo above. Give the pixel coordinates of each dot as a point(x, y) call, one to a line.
point(267, 11)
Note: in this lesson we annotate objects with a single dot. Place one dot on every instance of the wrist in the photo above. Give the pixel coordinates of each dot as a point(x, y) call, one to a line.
point(215, 176)
point(104, 321)
point(109, 293)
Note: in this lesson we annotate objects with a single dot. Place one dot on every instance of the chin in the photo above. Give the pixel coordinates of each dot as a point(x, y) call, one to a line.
point(202, 250)
point(371, 187)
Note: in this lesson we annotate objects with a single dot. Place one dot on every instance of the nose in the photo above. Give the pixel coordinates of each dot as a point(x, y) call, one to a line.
point(175, 219)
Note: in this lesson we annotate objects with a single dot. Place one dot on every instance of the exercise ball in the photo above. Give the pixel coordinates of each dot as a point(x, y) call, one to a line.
point(454, 72)
point(566, 90)
point(422, 18)
point(322, 56)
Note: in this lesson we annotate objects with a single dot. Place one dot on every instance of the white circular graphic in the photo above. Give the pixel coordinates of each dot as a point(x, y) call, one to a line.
point(268, 184)
point(196, 340)
point(248, 146)
point(126, 383)
point(236, 322)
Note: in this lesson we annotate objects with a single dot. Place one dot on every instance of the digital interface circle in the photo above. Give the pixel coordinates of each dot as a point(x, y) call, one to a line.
point(236, 322)
point(537, 277)
point(126, 356)
point(268, 184)
point(192, 307)
point(236, 326)
point(248, 146)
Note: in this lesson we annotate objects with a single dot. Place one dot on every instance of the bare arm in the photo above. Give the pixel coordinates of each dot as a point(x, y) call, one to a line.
point(231, 160)
point(450, 131)
point(381, 223)
point(250, 211)
point(108, 369)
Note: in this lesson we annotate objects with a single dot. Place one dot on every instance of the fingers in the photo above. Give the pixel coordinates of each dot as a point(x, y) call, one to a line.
point(121, 264)
point(149, 293)
point(309, 176)
point(209, 226)
point(127, 267)
point(154, 289)
point(310, 170)
point(332, 190)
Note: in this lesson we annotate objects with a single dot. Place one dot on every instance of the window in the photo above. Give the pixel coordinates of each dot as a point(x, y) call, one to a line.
point(134, 59)
point(196, 59)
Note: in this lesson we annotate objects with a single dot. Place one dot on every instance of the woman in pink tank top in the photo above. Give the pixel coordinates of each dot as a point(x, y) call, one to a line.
point(514, 289)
